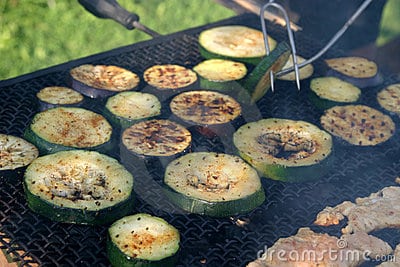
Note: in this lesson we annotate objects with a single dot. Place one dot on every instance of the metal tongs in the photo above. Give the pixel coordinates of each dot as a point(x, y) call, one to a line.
point(297, 66)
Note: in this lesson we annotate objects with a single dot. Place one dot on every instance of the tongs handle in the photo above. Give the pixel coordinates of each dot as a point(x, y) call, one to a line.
point(111, 9)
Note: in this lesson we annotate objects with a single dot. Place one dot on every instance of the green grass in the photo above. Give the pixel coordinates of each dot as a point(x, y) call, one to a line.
point(35, 34)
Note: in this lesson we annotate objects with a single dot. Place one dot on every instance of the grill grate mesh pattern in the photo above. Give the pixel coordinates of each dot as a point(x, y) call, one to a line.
point(32, 240)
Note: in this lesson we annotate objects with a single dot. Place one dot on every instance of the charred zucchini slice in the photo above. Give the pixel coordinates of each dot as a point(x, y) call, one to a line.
point(78, 186)
point(53, 96)
point(213, 184)
point(258, 81)
point(15, 152)
point(285, 150)
point(327, 92)
point(168, 80)
point(205, 107)
point(65, 128)
point(235, 42)
point(127, 108)
point(142, 240)
point(156, 138)
point(98, 81)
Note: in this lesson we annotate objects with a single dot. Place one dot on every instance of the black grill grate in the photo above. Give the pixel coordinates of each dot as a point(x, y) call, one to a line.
point(32, 240)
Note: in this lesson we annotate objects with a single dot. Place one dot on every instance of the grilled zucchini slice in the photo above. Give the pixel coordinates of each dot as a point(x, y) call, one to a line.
point(389, 98)
point(258, 81)
point(54, 96)
point(235, 42)
point(65, 128)
point(285, 150)
point(142, 240)
point(78, 186)
point(156, 138)
point(213, 184)
point(356, 70)
point(168, 80)
point(127, 108)
point(97, 81)
point(15, 153)
point(327, 92)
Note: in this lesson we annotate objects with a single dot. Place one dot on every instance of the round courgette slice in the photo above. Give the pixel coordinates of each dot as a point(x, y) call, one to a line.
point(156, 138)
point(236, 42)
point(78, 186)
point(127, 108)
point(15, 152)
point(285, 150)
point(327, 92)
point(65, 128)
point(142, 240)
point(53, 96)
point(213, 184)
point(98, 81)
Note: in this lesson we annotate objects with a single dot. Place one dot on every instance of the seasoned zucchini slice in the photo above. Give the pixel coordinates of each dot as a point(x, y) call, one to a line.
point(221, 70)
point(304, 72)
point(205, 107)
point(127, 108)
point(357, 70)
point(258, 81)
point(78, 186)
point(389, 98)
point(327, 92)
point(213, 184)
point(65, 128)
point(142, 240)
point(358, 124)
point(168, 80)
point(285, 150)
point(159, 138)
point(102, 81)
point(53, 96)
point(15, 152)
point(236, 42)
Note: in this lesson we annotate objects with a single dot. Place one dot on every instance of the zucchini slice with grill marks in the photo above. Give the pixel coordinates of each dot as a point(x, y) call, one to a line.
point(258, 81)
point(168, 80)
point(15, 154)
point(97, 81)
point(142, 240)
point(66, 128)
point(127, 108)
point(235, 42)
point(285, 150)
point(213, 184)
point(79, 186)
point(54, 96)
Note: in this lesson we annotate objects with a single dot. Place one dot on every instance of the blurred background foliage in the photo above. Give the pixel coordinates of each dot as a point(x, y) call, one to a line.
point(35, 34)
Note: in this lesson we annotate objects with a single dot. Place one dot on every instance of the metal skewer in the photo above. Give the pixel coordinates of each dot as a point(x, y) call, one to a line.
point(297, 66)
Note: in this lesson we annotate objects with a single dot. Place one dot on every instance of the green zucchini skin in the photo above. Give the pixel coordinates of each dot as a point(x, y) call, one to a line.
point(62, 209)
point(85, 217)
point(208, 55)
point(119, 259)
point(258, 81)
point(170, 236)
point(216, 209)
point(46, 147)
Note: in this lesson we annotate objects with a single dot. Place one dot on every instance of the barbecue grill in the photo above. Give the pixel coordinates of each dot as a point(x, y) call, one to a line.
point(32, 240)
